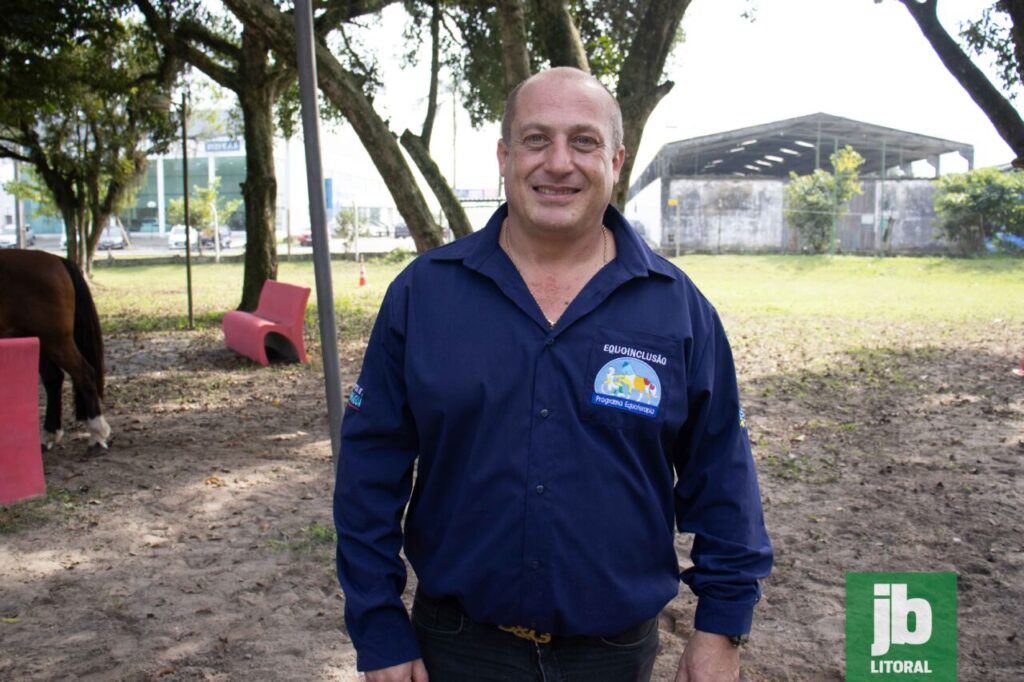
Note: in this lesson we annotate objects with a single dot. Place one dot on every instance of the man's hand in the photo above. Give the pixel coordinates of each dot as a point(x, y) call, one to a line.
point(709, 658)
point(413, 671)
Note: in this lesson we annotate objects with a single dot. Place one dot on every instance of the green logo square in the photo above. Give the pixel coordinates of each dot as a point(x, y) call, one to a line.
point(901, 627)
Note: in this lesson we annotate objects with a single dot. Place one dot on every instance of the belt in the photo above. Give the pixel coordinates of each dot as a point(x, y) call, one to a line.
point(522, 632)
point(526, 633)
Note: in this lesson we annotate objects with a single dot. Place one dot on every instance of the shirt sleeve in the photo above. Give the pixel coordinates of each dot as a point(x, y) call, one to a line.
point(374, 480)
point(717, 496)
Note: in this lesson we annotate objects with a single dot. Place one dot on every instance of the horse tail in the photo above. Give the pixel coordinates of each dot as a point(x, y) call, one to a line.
point(88, 337)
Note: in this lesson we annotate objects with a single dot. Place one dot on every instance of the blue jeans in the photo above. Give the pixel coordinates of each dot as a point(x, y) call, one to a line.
point(457, 649)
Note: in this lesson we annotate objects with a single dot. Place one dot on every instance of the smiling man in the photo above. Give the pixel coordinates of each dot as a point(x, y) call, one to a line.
point(567, 400)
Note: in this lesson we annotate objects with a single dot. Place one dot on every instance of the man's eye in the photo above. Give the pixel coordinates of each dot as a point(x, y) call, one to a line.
point(585, 142)
point(536, 140)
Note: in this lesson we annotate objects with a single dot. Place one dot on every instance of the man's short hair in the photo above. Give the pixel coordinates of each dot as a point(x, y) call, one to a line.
point(510, 110)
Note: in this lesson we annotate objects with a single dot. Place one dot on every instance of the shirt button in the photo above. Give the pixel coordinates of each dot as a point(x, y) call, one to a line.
point(544, 413)
point(550, 341)
point(535, 565)
point(539, 489)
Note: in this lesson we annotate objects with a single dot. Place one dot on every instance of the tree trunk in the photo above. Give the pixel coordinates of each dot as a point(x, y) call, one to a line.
point(259, 189)
point(419, 146)
point(457, 218)
point(1015, 10)
point(513, 42)
point(635, 112)
point(559, 35)
point(343, 89)
point(997, 108)
point(63, 192)
point(639, 89)
point(67, 212)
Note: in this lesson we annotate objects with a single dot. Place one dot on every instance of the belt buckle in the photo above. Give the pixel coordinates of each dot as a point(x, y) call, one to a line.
point(526, 633)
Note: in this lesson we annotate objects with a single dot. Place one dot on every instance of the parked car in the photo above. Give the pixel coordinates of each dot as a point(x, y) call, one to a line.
point(306, 239)
point(225, 239)
point(375, 228)
point(9, 237)
point(111, 238)
point(402, 230)
point(176, 237)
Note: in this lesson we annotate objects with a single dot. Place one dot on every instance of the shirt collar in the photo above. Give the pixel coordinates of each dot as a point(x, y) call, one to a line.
point(631, 252)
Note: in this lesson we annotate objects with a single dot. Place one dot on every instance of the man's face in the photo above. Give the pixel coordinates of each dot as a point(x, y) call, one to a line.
point(559, 165)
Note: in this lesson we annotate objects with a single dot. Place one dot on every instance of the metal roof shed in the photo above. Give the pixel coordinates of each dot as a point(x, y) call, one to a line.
point(797, 144)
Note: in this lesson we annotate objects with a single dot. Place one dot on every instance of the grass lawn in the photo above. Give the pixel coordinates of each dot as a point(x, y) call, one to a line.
point(153, 298)
point(862, 288)
point(945, 290)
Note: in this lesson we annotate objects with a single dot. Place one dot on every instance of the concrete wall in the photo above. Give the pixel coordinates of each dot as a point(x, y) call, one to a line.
point(718, 214)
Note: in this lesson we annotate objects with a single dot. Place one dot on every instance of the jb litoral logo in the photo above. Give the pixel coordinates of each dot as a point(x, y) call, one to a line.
point(901, 626)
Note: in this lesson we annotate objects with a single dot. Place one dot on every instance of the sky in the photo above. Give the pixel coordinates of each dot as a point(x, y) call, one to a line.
point(852, 58)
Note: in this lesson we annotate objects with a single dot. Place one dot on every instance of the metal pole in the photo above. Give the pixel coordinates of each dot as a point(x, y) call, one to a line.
point(18, 223)
point(184, 181)
point(306, 49)
point(679, 230)
point(835, 199)
point(882, 221)
point(288, 195)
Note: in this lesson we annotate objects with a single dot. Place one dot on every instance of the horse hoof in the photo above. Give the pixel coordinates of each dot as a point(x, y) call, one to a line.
point(51, 438)
point(99, 431)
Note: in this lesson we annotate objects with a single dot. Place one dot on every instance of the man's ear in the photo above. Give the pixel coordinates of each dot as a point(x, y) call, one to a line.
point(618, 159)
point(503, 152)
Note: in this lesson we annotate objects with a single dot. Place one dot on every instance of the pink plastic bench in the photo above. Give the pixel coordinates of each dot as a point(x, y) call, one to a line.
point(21, 460)
point(276, 324)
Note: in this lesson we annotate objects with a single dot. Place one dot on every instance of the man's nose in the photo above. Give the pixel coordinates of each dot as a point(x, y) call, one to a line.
point(560, 157)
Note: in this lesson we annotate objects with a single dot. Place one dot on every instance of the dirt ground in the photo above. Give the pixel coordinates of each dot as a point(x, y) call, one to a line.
point(198, 546)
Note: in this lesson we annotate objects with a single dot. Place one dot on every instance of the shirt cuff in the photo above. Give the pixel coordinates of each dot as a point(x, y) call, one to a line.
point(398, 645)
point(723, 617)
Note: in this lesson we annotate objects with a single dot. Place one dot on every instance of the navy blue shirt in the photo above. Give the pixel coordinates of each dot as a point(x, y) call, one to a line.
point(552, 465)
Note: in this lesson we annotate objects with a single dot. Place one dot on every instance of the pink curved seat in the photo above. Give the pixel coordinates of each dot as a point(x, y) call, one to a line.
point(277, 324)
point(21, 459)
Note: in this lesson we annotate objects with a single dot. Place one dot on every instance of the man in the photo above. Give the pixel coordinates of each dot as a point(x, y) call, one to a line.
point(568, 399)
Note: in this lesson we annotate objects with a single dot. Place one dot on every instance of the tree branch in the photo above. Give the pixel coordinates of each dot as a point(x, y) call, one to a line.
point(193, 31)
point(453, 210)
point(513, 42)
point(337, 12)
point(342, 88)
point(559, 34)
point(1000, 112)
point(175, 41)
point(435, 67)
point(1015, 10)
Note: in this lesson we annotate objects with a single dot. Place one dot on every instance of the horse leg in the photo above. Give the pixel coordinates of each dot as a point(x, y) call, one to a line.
point(53, 381)
point(87, 399)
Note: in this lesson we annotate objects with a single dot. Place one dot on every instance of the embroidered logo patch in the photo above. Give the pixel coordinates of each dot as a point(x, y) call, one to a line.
point(628, 384)
point(355, 398)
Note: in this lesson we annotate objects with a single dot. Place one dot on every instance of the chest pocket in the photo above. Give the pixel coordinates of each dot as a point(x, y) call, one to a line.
point(631, 380)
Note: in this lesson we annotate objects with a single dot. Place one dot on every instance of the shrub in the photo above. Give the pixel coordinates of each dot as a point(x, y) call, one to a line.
point(972, 207)
point(815, 202)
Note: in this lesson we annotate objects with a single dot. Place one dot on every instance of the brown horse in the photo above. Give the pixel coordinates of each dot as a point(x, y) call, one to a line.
point(46, 296)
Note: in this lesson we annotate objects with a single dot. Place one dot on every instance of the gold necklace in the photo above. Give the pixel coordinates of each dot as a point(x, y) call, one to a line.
point(511, 258)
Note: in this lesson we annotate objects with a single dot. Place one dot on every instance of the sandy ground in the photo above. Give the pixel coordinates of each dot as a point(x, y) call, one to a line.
point(197, 547)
